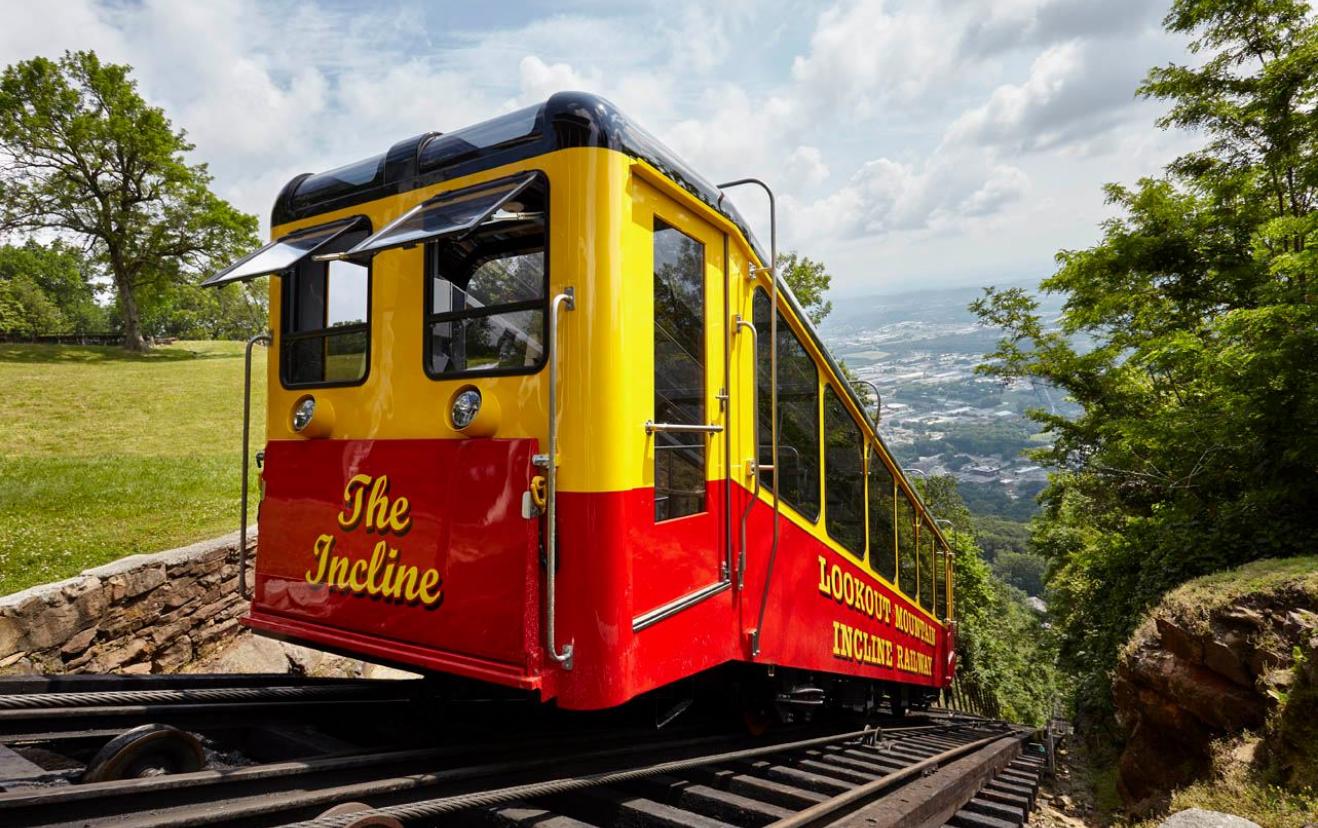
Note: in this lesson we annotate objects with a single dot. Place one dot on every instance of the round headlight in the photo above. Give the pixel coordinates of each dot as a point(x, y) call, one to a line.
point(466, 406)
point(303, 412)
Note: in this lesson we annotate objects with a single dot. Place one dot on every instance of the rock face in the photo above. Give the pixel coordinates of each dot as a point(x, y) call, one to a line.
point(140, 614)
point(1209, 663)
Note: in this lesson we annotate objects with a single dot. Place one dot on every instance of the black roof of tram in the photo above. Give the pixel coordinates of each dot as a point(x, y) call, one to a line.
point(567, 119)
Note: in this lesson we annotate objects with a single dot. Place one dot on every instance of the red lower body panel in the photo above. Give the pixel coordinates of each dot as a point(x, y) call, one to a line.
point(438, 569)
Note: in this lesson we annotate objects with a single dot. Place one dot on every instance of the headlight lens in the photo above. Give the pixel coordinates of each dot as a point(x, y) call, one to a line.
point(303, 412)
point(466, 406)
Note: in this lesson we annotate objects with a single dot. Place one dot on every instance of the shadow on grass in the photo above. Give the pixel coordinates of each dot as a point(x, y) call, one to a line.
point(38, 353)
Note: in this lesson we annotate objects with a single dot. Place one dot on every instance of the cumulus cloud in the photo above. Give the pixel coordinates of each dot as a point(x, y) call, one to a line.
point(1074, 92)
point(950, 116)
point(886, 196)
point(865, 53)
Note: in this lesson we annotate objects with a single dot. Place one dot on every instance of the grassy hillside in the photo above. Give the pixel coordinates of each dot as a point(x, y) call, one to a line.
point(107, 454)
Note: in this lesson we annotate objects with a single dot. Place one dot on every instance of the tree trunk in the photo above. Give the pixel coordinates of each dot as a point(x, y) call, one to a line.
point(133, 339)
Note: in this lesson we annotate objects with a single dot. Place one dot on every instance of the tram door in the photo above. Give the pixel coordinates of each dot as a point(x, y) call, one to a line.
point(686, 555)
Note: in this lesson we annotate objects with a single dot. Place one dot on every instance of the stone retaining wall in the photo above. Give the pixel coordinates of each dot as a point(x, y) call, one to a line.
point(140, 614)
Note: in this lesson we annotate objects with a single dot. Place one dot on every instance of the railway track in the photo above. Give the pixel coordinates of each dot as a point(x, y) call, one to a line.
point(339, 754)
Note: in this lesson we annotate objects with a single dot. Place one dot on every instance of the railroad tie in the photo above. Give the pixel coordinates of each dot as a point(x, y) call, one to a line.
point(1006, 800)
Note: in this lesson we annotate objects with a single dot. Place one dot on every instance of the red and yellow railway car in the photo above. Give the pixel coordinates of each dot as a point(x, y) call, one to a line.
point(538, 417)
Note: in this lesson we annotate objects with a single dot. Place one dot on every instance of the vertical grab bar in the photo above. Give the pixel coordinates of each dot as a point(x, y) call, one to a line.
point(754, 465)
point(567, 299)
point(773, 392)
point(262, 338)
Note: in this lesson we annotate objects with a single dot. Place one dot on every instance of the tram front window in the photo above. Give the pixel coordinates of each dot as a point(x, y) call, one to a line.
point(486, 303)
point(326, 319)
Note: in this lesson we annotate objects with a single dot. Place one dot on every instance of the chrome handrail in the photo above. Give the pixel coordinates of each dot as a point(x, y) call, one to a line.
point(566, 298)
point(773, 391)
point(247, 436)
point(753, 465)
point(652, 427)
point(878, 399)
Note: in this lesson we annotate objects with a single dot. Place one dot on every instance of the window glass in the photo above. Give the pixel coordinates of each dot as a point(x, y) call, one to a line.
point(905, 544)
point(844, 475)
point(679, 371)
point(325, 318)
point(283, 253)
point(446, 148)
point(926, 567)
point(883, 553)
point(487, 292)
point(456, 214)
point(798, 413)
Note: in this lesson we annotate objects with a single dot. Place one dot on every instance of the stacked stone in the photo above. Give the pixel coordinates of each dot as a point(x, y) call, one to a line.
point(140, 614)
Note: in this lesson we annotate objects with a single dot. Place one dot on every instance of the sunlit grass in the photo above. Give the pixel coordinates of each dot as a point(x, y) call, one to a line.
point(108, 454)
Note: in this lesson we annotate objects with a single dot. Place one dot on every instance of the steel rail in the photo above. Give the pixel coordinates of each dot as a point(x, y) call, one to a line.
point(116, 698)
point(267, 790)
point(828, 810)
point(431, 809)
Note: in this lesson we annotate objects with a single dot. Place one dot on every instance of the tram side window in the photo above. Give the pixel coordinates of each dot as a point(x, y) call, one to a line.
point(844, 475)
point(798, 413)
point(486, 302)
point(679, 372)
point(927, 542)
point(883, 554)
point(905, 544)
point(326, 322)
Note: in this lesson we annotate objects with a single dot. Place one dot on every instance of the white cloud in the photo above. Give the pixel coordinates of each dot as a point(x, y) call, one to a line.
point(881, 124)
point(1074, 91)
point(865, 53)
point(886, 196)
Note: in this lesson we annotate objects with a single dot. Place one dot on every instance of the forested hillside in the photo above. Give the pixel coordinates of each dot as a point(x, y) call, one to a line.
point(1193, 449)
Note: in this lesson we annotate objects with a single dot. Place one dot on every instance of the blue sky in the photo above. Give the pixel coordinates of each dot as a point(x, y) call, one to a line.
point(912, 144)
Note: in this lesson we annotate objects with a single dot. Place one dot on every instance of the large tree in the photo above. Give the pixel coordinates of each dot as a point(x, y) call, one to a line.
point(1189, 337)
point(83, 155)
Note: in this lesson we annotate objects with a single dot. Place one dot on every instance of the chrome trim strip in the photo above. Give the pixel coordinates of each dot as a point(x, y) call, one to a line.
point(672, 608)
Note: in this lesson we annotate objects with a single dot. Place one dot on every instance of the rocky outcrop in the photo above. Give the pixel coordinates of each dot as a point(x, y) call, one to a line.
point(140, 614)
point(1216, 658)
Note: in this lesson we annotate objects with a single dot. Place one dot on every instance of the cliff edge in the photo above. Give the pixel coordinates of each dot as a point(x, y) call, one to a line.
point(1227, 654)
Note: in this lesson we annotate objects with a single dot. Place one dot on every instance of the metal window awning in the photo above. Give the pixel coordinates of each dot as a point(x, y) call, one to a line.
point(447, 214)
point(283, 253)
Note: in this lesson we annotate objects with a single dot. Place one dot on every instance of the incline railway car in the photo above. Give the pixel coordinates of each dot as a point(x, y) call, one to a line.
point(540, 417)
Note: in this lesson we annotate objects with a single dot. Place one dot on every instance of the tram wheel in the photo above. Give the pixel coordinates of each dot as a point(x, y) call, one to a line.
point(364, 821)
point(149, 750)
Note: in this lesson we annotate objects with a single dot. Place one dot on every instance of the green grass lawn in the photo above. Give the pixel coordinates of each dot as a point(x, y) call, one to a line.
point(105, 454)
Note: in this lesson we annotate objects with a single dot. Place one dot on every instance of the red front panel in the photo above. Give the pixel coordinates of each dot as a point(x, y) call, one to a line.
point(409, 550)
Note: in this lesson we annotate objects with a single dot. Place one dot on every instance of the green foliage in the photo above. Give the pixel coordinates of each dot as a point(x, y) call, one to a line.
point(1193, 449)
point(28, 310)
point(997, 535)
point(87, 157)
point(56, 280)
point(1023, 570)
point(1002, 437)
point(1004, 654)
point(809, 282)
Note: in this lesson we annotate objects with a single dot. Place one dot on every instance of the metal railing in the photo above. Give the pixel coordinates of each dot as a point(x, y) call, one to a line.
point(262, 338)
